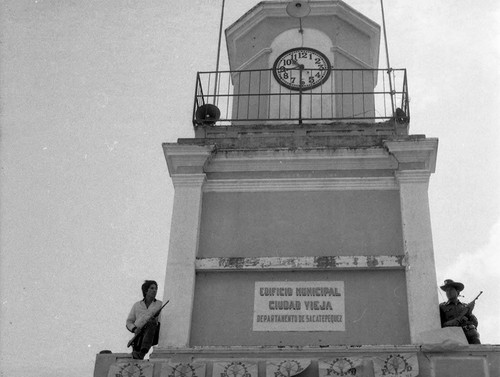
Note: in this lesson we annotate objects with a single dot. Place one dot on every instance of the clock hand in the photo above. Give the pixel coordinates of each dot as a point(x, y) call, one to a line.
point(301, 66)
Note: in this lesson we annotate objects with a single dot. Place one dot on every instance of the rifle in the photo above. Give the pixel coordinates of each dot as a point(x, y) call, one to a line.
point(468, 309)
point(131, 341)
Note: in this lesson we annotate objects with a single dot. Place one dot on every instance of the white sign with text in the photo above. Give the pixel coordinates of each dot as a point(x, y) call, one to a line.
point(299, 306)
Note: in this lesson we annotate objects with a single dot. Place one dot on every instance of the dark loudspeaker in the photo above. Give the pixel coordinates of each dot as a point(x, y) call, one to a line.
point(207, 114)
point(298, 9)
point(401, 116)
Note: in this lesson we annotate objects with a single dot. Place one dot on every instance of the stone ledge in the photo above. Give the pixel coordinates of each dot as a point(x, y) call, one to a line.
point(471, 360)
point(319, 263)
point(265, 136)
point(305, 351)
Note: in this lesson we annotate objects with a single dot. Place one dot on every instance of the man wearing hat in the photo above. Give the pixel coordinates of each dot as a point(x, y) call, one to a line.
point(455, 313)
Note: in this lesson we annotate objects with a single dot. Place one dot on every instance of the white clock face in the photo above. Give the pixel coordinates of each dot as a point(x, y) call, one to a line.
point(301, 68)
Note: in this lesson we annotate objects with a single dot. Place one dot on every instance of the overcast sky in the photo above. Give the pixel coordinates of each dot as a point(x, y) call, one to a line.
point(90, 90)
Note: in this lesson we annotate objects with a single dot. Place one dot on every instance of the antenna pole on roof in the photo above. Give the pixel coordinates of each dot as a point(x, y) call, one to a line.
point(389, 69)
point(218, 50)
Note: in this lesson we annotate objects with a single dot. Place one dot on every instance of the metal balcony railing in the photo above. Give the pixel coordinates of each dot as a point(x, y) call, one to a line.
point(255, 97)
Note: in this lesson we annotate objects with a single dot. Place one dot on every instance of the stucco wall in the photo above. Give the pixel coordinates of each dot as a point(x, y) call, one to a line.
point(342, 34)
point(375, 309)
point(355, 81)
point(320, 223)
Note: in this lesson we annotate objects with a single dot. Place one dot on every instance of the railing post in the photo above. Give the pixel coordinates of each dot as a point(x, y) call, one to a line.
point(281, 105)
point(300, 93)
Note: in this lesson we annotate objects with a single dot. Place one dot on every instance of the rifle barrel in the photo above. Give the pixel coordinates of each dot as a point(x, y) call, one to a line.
point(480, 293)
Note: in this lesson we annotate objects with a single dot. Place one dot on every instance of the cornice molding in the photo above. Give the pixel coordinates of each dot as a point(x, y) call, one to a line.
point(276, 9)
point(302, 160)
point(186, 159)
point(412, 176)
point(415, 151)
point(340, 50)
point(188, 180)
point(319, 263)
point(300, 184)
point(315, 352)
point(245, 65)
point(318, 8)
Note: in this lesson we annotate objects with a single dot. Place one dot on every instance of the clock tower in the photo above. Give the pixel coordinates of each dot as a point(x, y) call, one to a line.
point(300, 45)
point(301, 238)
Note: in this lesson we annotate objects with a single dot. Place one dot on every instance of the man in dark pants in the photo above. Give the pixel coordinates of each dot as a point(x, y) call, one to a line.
point(452, 312)
point(141, 320)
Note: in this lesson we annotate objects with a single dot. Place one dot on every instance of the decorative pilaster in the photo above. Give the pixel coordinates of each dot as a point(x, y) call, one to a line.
point(417, 236)
point(180, 272)
point(186, 167)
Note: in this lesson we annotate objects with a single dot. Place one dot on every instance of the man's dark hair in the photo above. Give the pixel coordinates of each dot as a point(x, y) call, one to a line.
point(146, 285)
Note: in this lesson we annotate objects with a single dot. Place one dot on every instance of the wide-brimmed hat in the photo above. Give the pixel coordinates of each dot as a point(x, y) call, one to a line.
point(455, 284)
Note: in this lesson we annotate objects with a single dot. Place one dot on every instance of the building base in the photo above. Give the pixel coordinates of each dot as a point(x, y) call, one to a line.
point(445, 360)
